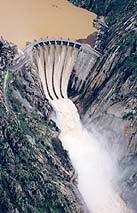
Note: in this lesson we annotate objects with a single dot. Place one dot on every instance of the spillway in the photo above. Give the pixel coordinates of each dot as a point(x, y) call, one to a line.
point(59, 59)
point(57, 70)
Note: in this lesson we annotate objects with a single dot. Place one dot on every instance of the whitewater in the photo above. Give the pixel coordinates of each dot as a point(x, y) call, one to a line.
point(93, 164)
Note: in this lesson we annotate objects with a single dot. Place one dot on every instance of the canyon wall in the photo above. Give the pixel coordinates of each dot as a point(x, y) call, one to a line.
point(109, 103)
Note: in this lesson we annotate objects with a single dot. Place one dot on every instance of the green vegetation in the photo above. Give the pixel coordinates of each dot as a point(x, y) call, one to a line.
point(128, 40)
point(18, 83)
point(23, 185)
point(131, 63)
point(112, 9)
point(10, 76)
point(128, 43)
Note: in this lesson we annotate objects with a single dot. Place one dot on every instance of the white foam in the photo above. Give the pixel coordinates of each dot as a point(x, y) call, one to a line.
point(91, 161)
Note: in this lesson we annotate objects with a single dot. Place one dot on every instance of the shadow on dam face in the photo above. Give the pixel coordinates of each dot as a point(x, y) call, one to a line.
point(64, 67)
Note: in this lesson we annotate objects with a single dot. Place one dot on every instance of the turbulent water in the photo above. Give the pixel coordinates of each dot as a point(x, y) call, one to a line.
point(92, 162)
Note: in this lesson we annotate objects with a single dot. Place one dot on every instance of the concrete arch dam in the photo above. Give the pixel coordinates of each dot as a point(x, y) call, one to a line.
point(58, 61)
point(64, 66)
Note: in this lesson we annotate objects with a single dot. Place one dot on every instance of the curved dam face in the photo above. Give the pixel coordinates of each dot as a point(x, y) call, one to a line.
point(58, 61)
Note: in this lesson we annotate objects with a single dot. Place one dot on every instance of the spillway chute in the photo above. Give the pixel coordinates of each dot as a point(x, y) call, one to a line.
point(61, 59)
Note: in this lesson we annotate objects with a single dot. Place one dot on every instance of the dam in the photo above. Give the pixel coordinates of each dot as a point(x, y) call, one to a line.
point(61, 64)
point(57, 62)
point(57, 59)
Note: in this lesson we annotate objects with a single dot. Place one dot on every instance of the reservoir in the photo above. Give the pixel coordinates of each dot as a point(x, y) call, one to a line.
point(26, 20)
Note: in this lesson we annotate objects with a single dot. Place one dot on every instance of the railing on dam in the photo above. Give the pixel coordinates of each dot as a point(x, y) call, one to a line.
point(57, 42)
point(58, 61)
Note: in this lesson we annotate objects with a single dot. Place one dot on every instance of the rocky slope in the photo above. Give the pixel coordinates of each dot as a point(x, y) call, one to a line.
point(36, 174)
point(109, 104)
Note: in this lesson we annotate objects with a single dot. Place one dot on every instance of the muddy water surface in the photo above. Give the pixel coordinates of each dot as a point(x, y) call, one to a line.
point(25, 20)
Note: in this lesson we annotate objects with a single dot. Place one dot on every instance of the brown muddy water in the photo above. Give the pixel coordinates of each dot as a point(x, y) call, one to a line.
point(26, 20)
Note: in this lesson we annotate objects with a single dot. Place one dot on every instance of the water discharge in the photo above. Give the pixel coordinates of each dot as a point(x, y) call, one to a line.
point(92, 162)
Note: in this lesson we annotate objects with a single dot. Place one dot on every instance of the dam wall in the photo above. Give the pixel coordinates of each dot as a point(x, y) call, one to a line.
point(86, 62)
point(61, 64)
